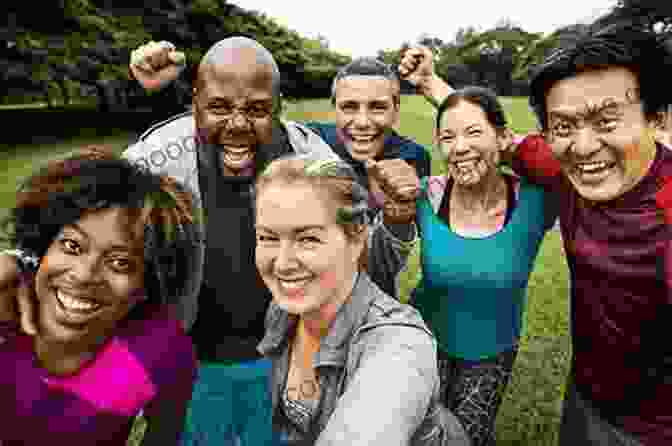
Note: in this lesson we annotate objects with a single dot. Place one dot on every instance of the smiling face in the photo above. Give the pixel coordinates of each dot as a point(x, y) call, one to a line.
point(598, 131)
point(367, 109)
point(233, 107)
point(305, 258)
point(469, 144)
point(89, 280)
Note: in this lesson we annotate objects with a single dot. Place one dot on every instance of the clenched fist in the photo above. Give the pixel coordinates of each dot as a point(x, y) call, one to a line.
point(156, 64)
point(395, 186)
point(417, 66)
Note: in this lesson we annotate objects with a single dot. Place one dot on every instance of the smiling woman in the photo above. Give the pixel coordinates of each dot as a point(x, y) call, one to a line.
point(343, 351)
point(109, 244)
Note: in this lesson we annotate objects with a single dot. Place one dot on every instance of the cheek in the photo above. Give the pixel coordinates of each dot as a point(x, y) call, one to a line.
point(264, 131)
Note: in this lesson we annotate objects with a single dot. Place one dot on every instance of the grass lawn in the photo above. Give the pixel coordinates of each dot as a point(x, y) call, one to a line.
point(531, 409)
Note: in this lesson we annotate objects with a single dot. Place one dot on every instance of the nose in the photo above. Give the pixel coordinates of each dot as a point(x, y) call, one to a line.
point(586, 142)
point(285, 259)
point(459, 147)
point(239, 121)
point(86, 271)
point(361, 119)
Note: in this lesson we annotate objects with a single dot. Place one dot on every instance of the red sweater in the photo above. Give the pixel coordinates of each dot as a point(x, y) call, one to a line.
point(620, 260)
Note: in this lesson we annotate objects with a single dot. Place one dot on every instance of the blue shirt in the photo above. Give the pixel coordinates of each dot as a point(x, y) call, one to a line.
point(472, 292)
point(396, 146)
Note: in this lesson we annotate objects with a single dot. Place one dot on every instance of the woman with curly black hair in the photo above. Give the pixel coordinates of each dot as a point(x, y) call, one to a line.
point(105, 246)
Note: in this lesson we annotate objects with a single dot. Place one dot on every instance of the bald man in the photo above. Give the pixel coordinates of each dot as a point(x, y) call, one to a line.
point(231, 133)
point(216, 150)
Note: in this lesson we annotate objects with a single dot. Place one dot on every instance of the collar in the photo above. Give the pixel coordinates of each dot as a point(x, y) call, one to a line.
point(333, 347)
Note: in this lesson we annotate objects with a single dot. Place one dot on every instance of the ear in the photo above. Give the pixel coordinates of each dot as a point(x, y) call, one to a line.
point(504, 139)
point(659, 121)
point(361, 242)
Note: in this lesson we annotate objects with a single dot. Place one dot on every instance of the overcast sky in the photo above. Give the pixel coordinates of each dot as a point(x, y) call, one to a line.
point(361, 27)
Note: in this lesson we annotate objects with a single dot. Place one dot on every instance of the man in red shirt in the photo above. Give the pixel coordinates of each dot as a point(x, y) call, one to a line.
point(601, 101)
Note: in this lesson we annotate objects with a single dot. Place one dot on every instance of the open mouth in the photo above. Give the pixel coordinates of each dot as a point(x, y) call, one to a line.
point(293, 287)
point(237, 154)
point(593, 171)
point(77, 310)
point(466, 165)
point(363, 138)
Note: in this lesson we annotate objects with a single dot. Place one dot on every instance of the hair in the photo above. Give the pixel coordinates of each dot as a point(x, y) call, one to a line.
point(332, 176)
point(367, 66)
point(624, 43)
point(482, 97)
point(158, 213)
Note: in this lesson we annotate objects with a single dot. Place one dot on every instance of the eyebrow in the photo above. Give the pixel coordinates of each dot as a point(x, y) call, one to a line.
point(296, 230)
point(83, 233)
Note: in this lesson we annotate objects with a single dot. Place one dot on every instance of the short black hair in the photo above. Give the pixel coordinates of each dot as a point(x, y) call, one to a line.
point(483, 97)
point(366, 66)
point(159, 211)
point(627, 44)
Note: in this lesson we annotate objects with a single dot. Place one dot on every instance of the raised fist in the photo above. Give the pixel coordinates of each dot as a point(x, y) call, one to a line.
point(399, 184)
point(156, 64)
point(417, 66)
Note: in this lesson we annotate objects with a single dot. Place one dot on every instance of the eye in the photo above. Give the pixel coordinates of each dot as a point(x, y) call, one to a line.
point(380, 107)
point(349, 107)
point(70, 246)
point(561, 129)
point(121, 265)
point(258, 111)
point(607, 124)
point(220, 109)
point(310, 240)
point(447, 138)
point(262, 238)
point(475, 132)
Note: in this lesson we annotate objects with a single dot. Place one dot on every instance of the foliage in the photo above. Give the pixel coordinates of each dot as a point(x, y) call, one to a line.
point(73, 48)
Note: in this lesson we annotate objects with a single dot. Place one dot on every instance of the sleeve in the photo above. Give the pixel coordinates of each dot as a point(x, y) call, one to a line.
point(390, 392)
point(389, 248)
point(534, 160)
point(166, 413)
point(551, 210)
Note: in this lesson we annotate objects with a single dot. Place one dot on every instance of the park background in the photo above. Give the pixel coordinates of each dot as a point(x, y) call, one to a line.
point(64, 84)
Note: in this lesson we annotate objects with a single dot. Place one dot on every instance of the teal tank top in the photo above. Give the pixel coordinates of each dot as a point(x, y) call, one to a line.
point(473, 291)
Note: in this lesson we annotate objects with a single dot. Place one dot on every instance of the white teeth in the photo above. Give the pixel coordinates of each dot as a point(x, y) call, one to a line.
point(466, 164)
point(363, 138)
point(293, 284)
point(592, 167)
point(72, 303)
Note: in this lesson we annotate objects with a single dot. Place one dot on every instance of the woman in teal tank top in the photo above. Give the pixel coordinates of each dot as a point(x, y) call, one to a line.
point(480, 231)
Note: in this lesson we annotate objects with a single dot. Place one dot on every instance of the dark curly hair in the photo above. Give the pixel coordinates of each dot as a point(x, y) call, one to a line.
point(158, 211)
point(626, 43)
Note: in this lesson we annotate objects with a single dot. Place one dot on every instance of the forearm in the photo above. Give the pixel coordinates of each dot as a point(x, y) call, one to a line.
point(389, 248)
point(435, 90)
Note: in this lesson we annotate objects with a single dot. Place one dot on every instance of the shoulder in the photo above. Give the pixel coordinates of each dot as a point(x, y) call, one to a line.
point(176, 123)
point(306, 140)
point(160, 341)
point(386, 314)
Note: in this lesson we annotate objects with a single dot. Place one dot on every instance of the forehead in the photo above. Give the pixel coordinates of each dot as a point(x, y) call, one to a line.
point(277, 206)
point(365, 88)
point(463, 114)
point(237, 73)
point(592, 86)
point(105, 227)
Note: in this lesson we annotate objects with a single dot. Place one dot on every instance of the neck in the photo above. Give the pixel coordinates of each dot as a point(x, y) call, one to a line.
point(63, 358)
point(317, 324)
point(483, 196)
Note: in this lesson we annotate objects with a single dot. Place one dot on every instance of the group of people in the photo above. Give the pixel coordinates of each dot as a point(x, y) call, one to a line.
point(232, 277)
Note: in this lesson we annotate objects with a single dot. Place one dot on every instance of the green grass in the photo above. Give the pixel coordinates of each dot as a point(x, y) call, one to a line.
point(530, 412)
